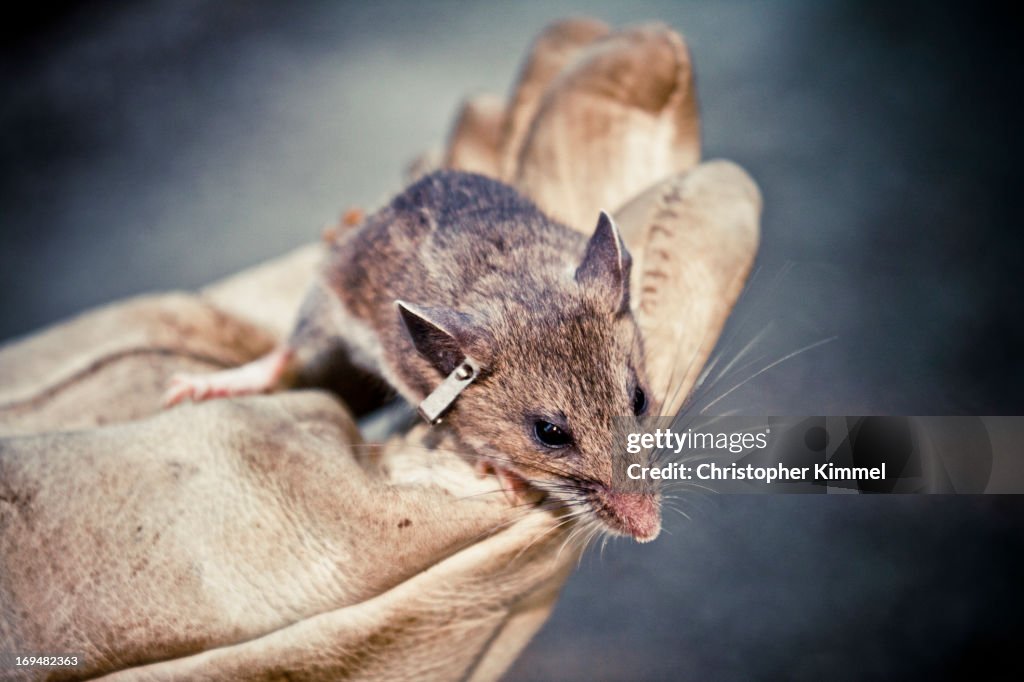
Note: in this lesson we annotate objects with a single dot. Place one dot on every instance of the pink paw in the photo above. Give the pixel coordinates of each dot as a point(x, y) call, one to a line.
point(260, 376)
point(198, 387)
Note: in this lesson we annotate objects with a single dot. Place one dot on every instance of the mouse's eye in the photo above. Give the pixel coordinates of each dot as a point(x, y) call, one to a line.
point(639, 401)
point(550, 435)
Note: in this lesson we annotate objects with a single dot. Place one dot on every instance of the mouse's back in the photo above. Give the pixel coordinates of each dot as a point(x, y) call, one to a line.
point(448, 237)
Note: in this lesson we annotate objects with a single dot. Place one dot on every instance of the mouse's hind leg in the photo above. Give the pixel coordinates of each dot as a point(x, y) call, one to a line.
point(259, 376)
point(315, 341)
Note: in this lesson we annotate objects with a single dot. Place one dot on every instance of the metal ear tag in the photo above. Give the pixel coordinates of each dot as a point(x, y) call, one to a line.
point(435, 404)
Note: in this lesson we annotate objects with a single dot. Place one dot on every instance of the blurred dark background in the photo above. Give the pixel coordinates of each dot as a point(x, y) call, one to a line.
point(165, 143)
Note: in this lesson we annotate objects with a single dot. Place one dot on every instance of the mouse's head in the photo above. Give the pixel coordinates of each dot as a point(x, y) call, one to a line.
point(563, 377)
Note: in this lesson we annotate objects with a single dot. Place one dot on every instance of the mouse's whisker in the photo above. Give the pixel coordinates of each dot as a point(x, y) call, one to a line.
point(679, 485)
point(594, 533)
point(717, 355)
point(740, 325)
point(681, 512)
point(537, 539)
point(545, 468)
point(671, 395)
point(702, 386)
point(768, 367)
point(570, 540)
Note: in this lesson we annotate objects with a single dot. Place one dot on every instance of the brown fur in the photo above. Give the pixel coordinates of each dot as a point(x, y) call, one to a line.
point(554, 333)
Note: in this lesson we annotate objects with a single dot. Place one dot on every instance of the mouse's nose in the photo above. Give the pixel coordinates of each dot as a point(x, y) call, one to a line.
point(633, 513)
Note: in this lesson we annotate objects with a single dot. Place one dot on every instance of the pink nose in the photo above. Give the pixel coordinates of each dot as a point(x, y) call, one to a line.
point(638, 514)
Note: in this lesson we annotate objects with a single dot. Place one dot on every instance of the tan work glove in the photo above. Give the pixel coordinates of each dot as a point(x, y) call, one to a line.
point(259, 537)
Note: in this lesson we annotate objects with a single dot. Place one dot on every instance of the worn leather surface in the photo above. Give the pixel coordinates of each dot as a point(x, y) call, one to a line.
point(261, 538)
point(695, 235)
point(240, 521)
point(112, 364)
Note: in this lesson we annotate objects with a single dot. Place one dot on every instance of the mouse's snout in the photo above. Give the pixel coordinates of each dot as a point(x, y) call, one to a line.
point(631, 513)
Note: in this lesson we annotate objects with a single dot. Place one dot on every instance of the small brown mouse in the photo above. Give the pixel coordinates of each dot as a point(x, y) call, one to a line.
point(470, 302)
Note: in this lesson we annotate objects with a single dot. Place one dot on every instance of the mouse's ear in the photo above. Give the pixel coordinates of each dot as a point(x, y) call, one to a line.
point(606, 265)
point(443, 336)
